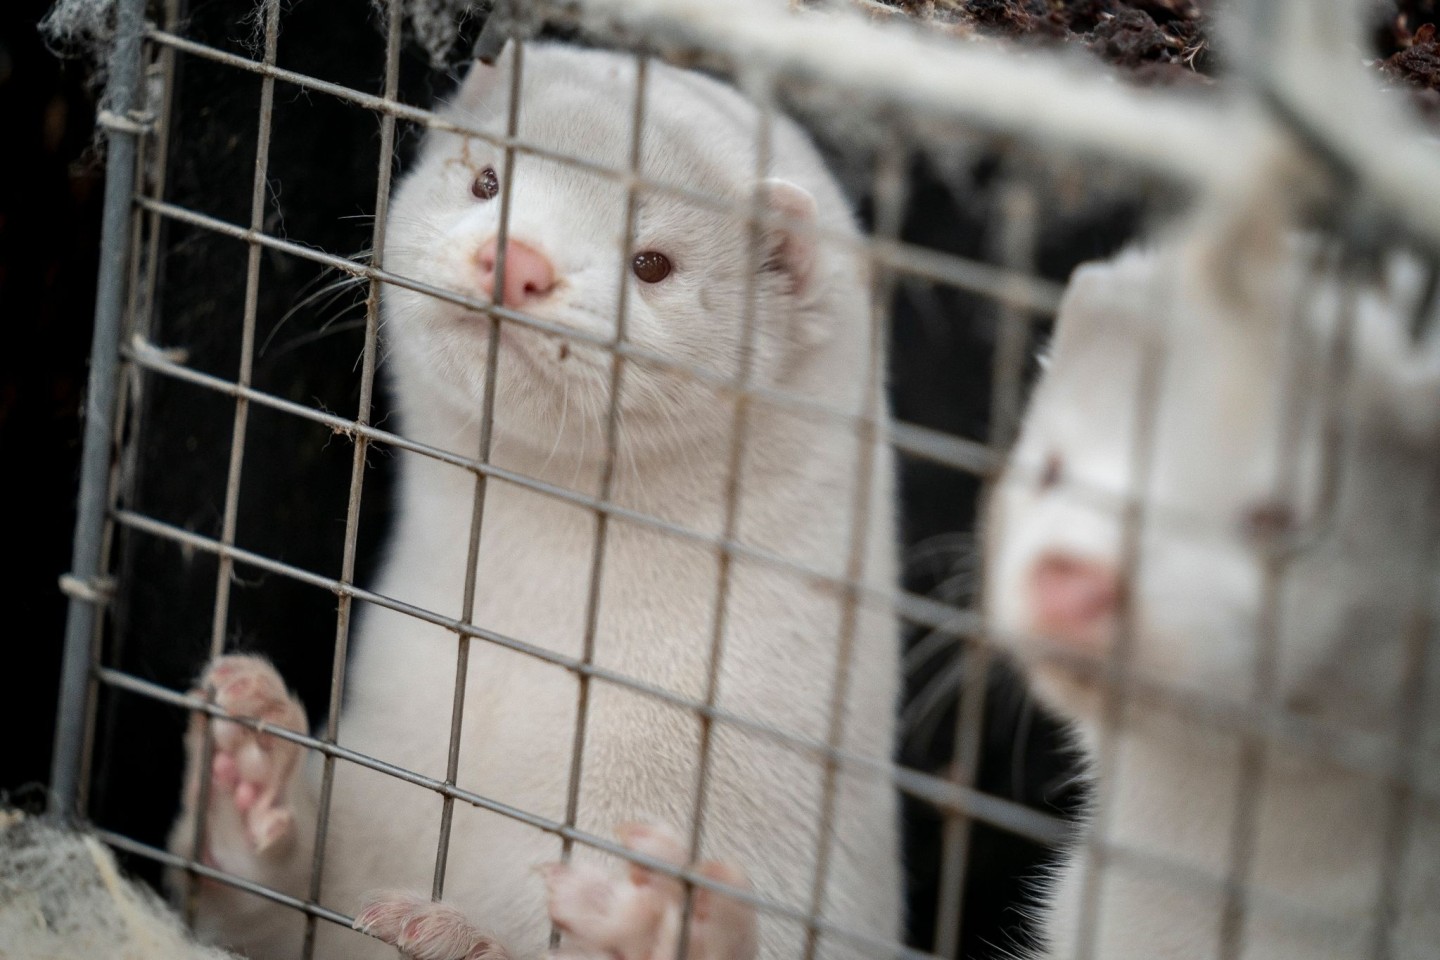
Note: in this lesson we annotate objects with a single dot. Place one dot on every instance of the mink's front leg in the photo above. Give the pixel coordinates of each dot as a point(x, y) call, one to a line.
point(259, 814)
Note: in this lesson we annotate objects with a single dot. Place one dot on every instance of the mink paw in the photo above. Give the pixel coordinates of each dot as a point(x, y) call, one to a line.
point(425, 930)
point(250, 771)
point(635, 913)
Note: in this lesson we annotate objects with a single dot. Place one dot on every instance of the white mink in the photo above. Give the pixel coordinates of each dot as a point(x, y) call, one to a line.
point(658, 590)
point(1234, 330)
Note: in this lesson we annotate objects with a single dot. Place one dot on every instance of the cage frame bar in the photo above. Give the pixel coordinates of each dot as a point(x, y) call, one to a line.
point(85, 603)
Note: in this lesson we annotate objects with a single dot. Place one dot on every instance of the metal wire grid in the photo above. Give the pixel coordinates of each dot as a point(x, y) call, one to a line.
point(1396, 767)
point(135, 209)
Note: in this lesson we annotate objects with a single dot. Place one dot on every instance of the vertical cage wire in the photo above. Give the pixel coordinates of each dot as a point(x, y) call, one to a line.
point(761, 88)
point(1253, 748)
point(1018, 236)
point(1117, 662)
point(607, 468)
point(86, 592)
point(477, 510)
point(890, 192)
point(151, 173)
point(364, 408)
point(120, 460)
point(225, 568)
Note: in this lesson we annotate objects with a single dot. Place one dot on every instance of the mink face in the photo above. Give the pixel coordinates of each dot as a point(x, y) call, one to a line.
point(1201, 419)
point(690, 281)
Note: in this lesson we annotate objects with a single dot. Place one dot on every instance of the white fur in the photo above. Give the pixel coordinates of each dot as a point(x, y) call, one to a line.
point(658, 591)
point(1222, 317)
point(62, 897)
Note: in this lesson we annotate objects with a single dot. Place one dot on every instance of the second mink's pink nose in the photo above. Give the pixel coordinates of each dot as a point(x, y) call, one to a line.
point(529, 275)
point(1074, 599)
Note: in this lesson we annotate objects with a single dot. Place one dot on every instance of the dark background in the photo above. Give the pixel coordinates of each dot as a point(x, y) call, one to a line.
point(292, 505)
point(50, 193)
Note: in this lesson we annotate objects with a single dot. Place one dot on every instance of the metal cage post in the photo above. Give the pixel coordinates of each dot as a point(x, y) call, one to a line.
point(83, 584)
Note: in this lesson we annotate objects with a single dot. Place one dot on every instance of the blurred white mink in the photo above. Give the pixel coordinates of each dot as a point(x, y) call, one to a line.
point(688, 292)
point(1237, 337)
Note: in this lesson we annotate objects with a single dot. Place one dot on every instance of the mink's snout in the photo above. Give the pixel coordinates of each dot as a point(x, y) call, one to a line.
point(529, 274)
point(1074, 599)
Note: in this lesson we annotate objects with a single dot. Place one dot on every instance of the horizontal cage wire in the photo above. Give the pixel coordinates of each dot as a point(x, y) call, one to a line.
point(982, 179)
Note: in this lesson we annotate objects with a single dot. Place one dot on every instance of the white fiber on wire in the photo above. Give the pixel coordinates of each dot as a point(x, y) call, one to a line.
point(62, 896)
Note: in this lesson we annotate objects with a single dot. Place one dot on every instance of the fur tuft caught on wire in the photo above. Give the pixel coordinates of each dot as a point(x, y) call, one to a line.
point(62, 897)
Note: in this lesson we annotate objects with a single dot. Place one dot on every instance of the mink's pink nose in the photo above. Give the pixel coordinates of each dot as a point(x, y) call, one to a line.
point(528, 273)
point(1074, 599)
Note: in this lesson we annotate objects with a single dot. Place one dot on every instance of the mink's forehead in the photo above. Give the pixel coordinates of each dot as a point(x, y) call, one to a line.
point(697, 134)
point(1095, 382)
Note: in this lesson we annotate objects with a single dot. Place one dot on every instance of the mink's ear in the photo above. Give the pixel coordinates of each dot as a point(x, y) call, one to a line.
point(1092, 285)
point(790, 239)
point(1109, 298)
point(1089, 299)
point(483, 78)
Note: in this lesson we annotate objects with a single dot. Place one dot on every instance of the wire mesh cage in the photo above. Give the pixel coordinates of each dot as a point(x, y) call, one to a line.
point(673, 594)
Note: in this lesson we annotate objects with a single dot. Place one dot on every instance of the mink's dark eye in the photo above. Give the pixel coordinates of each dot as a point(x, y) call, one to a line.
point(486, 185)
point(651, 267)
point(1052, 473)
